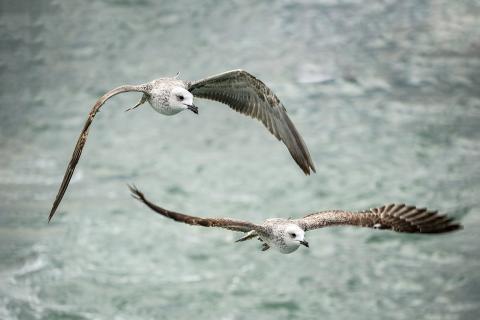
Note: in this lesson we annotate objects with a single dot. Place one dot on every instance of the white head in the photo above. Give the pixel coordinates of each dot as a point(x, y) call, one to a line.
point(181, 98)
point(293, 237)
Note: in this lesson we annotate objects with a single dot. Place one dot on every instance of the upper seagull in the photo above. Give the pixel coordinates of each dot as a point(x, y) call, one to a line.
point(286, 235)
point(237, 88)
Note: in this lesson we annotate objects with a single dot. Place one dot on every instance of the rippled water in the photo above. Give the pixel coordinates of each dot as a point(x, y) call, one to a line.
point(385, 93)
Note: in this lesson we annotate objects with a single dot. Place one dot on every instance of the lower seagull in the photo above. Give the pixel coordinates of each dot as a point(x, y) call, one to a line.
point(286, 235)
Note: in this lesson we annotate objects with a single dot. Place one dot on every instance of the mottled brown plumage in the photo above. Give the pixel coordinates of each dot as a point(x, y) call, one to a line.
point(396, 217)
point(274, 232)
point(226, 223)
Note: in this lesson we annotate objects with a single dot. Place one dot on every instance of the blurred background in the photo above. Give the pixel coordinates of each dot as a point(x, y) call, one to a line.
point(385, 93)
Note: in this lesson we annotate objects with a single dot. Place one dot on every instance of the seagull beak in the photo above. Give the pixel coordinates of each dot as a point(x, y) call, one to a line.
point(193, 108)
point(305, 243)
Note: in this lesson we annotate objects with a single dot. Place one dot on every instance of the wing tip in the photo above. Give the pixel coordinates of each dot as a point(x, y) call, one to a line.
point(135, 192)
point(308, 167)
point(299, 150)
point(455, 227)
point(50, 216)
point(429, 222)
point(449, 227)
point(312, 167)
point(53, 210)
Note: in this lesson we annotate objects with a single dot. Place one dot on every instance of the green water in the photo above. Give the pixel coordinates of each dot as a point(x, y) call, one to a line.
point(385, 93)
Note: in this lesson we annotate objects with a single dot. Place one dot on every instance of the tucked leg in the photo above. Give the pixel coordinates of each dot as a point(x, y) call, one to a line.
point(142, 101)
point(249, 235)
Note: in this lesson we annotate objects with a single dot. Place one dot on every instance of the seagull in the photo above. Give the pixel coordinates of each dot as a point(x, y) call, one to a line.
point(238, 89)
point(286, 235)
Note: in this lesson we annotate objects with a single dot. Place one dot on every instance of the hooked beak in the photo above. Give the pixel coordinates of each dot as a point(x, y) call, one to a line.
point(193, 108)
point(305, 243)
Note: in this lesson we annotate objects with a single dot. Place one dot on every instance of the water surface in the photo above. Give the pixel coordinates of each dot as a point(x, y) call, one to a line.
point(385, 93)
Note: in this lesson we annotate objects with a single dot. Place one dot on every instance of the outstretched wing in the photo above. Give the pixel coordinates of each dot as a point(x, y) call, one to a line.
point(83, 138)
point(226, 223)
point(248, 95)
point(396, 217)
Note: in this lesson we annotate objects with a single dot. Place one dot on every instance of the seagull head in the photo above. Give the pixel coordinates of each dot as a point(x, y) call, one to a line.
point(294, 236)
point(181, 98)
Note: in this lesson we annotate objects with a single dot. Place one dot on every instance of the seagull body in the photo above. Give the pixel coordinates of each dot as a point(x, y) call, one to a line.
point(281, 234)
point(238, 89)
point(287, 235)
point(165, 94)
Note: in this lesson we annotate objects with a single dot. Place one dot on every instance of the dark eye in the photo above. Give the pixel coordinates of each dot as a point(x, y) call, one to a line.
point(293, 235)
point(180, 98)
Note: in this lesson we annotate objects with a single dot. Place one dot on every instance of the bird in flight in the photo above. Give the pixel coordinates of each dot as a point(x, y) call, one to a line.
point(237, 88)
point(286, 235)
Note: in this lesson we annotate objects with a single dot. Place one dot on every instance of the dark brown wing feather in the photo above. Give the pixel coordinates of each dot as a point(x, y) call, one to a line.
point(248, 95)
point(396, 217)
point(226, 223)
point(83, 138)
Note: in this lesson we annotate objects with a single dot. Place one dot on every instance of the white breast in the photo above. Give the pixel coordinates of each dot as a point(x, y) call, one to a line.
point(158, 99)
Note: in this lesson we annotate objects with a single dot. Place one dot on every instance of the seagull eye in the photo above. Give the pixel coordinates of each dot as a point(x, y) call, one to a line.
point(180, 98)
point(293, 235)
